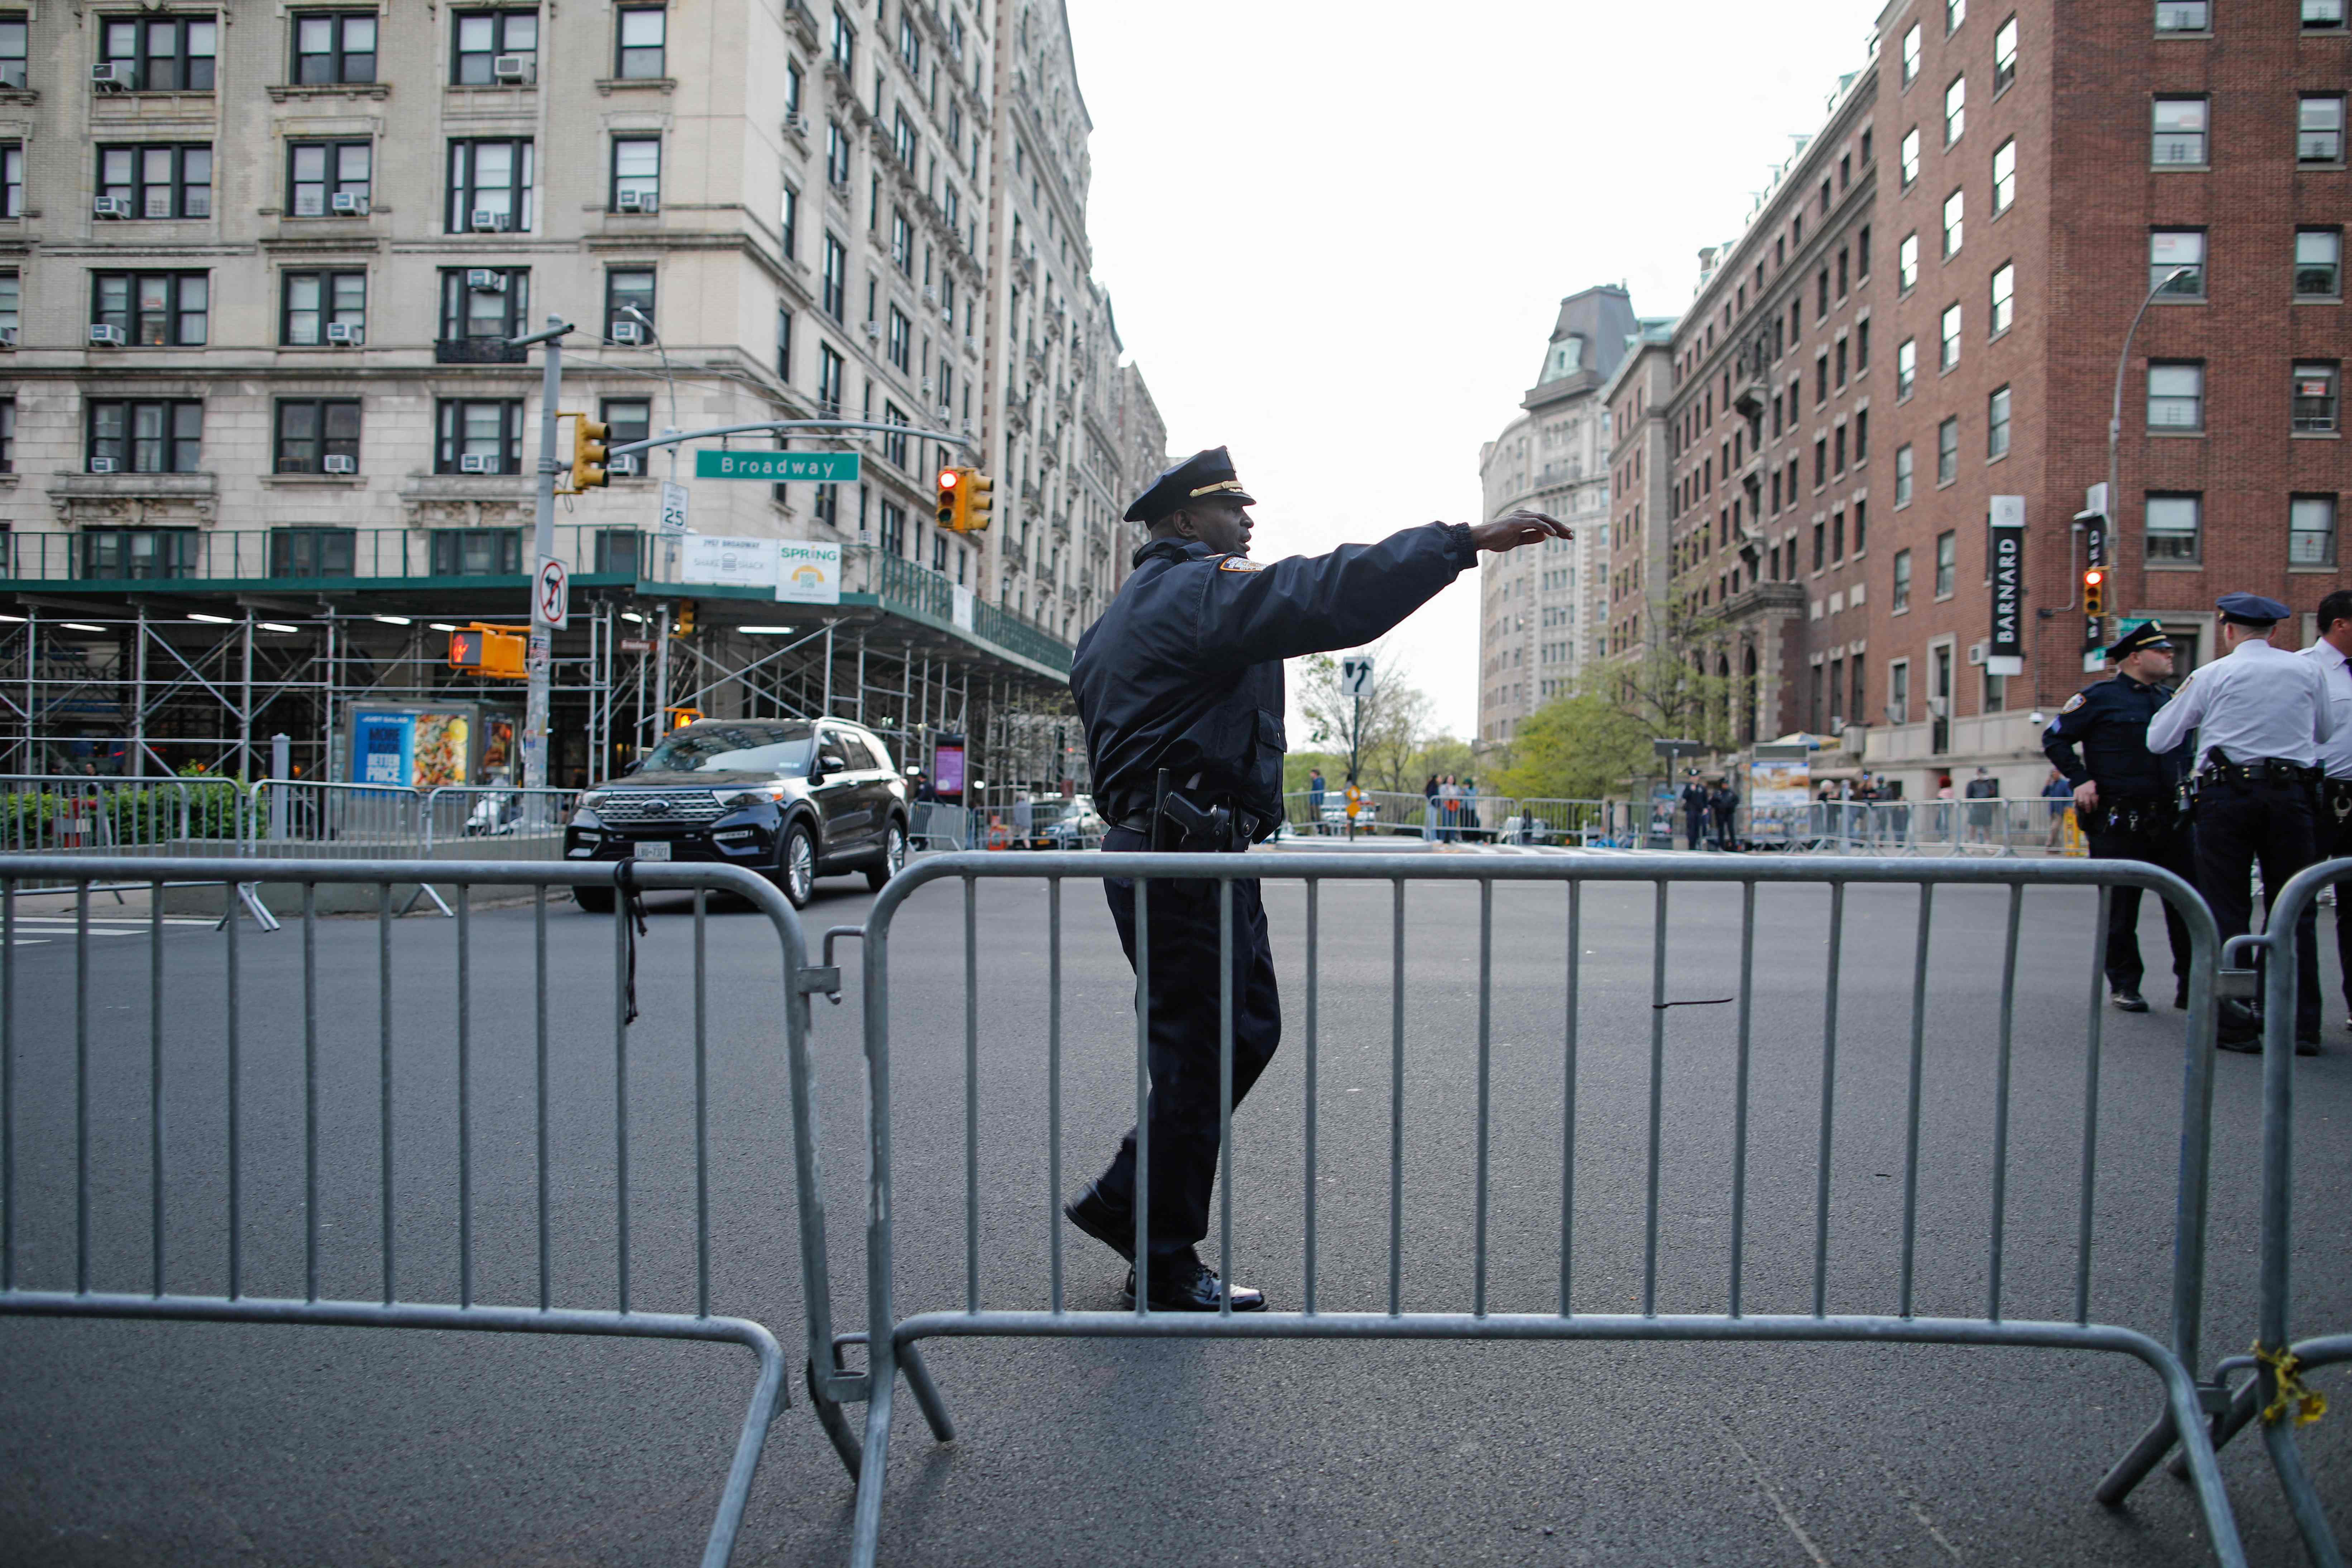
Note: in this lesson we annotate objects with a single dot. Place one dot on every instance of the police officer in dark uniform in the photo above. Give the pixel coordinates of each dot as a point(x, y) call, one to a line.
point(1179, 687)
point(2127, 798)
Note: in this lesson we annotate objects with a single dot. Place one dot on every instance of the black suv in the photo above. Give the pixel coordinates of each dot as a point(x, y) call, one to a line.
point(793, 801)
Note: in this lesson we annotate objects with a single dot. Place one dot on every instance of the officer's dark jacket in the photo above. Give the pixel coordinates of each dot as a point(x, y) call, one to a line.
point(1184, 671)
point(2109, 722)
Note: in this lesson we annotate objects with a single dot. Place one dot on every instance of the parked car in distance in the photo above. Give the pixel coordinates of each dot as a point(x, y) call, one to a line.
point(1079, 826)
point(792, 800)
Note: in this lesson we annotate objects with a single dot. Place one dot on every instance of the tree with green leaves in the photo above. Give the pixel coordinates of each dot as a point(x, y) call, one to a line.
point(1382, 734)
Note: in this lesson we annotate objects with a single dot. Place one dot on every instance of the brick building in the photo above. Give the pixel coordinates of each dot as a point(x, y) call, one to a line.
point(1640, 464)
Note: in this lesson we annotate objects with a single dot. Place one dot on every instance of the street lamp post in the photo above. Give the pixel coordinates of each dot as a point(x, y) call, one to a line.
point(2115, 409)
point(542, 651)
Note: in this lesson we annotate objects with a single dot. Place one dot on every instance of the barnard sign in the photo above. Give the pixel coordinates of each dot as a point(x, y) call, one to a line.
point(779, 468)
point(2008, 550)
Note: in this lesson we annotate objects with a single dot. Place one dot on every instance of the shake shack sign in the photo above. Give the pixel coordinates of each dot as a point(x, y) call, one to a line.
point(2008, 550)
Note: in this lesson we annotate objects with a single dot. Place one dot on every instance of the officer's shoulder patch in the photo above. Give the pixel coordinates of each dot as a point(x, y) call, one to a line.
point(1240, 563)
point(2072, 702)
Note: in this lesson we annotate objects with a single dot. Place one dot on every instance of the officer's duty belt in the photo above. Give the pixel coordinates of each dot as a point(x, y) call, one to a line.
point(2265, 769)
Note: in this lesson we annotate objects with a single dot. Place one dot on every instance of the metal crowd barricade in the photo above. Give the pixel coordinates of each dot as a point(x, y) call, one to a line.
point(506, 815)
point(314, 812)
point(2273, 1370)
point(91, 815)
point(35, 1152)
point(893, 1342)
point(936, 826)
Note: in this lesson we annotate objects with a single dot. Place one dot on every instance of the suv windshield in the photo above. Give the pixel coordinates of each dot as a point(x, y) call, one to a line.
point(733, 749)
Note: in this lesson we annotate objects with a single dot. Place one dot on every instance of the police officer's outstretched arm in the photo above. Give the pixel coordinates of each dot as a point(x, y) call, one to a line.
point(2177, 717)
point(1312, 604)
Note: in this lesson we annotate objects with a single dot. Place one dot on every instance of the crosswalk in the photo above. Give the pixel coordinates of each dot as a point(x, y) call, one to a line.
point(33, 931)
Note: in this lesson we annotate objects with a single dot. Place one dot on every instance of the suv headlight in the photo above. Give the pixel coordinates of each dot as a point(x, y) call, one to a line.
point(745, 798)
point(584, 817)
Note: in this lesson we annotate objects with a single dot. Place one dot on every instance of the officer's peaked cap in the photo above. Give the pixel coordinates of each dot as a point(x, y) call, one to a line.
point(2251, 609)
point(1204, 474)
point(2146, 634)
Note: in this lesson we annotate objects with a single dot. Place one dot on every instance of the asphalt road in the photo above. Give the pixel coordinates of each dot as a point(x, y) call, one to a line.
point(219, 1444)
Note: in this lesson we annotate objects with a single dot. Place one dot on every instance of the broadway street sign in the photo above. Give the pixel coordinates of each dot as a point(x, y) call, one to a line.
point(778, 468)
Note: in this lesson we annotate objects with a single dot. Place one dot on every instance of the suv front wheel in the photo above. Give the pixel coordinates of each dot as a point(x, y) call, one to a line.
point(796, 865)
point(894, 855)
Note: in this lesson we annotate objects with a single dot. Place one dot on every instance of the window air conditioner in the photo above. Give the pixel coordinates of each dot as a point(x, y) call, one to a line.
point(796, 124)
point(522, 69)
point(486, 222)
point(478, 463)
point(7, 337)
point(346, 333)
point(101, 465)
point(930, 295)
point(111, 206)
point(1978, 652)
point(349, 205)
point(485, 280)
point(1935, 707)
point(111, 336)
point(336, 463)
point(624, 465)
point(627, 333)
point(629, 202)
point(873, 332)
point(112, 76)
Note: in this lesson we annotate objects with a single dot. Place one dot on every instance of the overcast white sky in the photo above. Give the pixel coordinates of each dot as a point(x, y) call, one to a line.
point(1336, 237)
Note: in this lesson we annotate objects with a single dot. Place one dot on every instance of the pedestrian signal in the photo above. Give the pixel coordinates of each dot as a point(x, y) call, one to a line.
point(2095, 591)
point(951, 497)
point(491, 651)
point(588, 438)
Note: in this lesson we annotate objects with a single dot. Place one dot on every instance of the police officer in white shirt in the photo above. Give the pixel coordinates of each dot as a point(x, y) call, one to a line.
point(2261, 714)
point(2333, 654)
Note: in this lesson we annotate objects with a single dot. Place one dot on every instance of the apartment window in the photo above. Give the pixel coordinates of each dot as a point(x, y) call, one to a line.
point(893, 529)
point(844, 40)
point(12, 303)
point(2004, 56)
point(490, 303)
point(2170, 250)
point(791, 86)
point(1860, 527)
point(2179, 130)
point(164, 435)
point(478, 435)
point(894, 442)
point(173, 54)
point(784, 345)
point(1947, 452)
point(1862, 438)
point(1946, 564)
point(1841, 363)
point(1901, 601)
point(1837, 450)
point(170, 181)
point(2004, 296)
point(629, 419)
point(2311, 531)
point(902, 139)
point(8, 442)
point(829, 367)
point(1997, 424)
point(312, 552)
point(153, 309)
point(643, 31)
point(1841, 284)
point(911, 42)
point(1821, 461)
point(1820, 544)
point(1955, 13)
point(2316, 399)
point(2173, 529)
point(2183, 16)
point(1821, 379)
point(1956, 110)
point(2004, 176)
point(1954, 211)
point(901, 334)
point(1906, 263)
point(788, 224)
point(1951, 331)
point(1862, 247)
point(628, 297)
point(902, 243)
point(476, 551)
point(1837, 536)
point(2318, 263)
point(489, 185)
point(636, 173)
point(335, 47)
point(2175, 396)
point(313, 429)
point(483, 36)
point(317, 172)
point(834, 277)
point(2319, 128)
point(1861, 346)
point(12, 179)
point(1911, 54)
point(310, 302)
point(144, 552)
point(619, 552)
point(1909, 154)
point(13, 39)
point(1822, 296)
point(2322, 14)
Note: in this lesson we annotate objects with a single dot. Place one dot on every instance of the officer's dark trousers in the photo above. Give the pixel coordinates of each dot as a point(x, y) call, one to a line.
point(1183, 1003)
point(1694, 828)
point(2239, 824)
point(2335, 843)
point(2169, 851)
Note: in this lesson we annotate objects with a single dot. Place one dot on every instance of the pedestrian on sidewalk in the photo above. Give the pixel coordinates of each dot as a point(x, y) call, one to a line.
point(1694, 799)
point(1723, 804)
point(1315, 798)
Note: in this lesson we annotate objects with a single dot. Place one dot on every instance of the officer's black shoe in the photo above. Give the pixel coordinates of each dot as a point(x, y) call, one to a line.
point(2307, 1045)
point(1190, 1286)
point(1098, 1218)
point(2131, 1001)
point(2241, 1027)
point(2180, 997)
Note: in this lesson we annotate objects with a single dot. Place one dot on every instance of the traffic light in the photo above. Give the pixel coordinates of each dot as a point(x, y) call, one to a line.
point(681, 622)
point(494, 651)
point(971, 512)
point(588, 437)
point(2095, 591)
point(951, 497)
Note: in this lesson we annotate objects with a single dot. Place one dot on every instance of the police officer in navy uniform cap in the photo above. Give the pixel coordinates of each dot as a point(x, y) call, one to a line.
point(2127, 797)
point(1180, 687)
point(2261, 714)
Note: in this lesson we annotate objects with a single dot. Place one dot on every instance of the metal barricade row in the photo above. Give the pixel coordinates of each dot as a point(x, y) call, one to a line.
point(35, 1153)
point(893, 1340)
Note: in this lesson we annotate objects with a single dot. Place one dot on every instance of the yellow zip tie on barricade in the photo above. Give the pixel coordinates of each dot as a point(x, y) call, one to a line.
point(2308, 1404)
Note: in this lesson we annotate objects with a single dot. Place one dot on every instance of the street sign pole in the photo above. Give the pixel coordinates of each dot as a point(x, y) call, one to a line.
point(543, 636)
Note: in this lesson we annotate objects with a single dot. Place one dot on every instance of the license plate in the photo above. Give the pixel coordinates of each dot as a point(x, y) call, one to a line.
point(650, 851)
